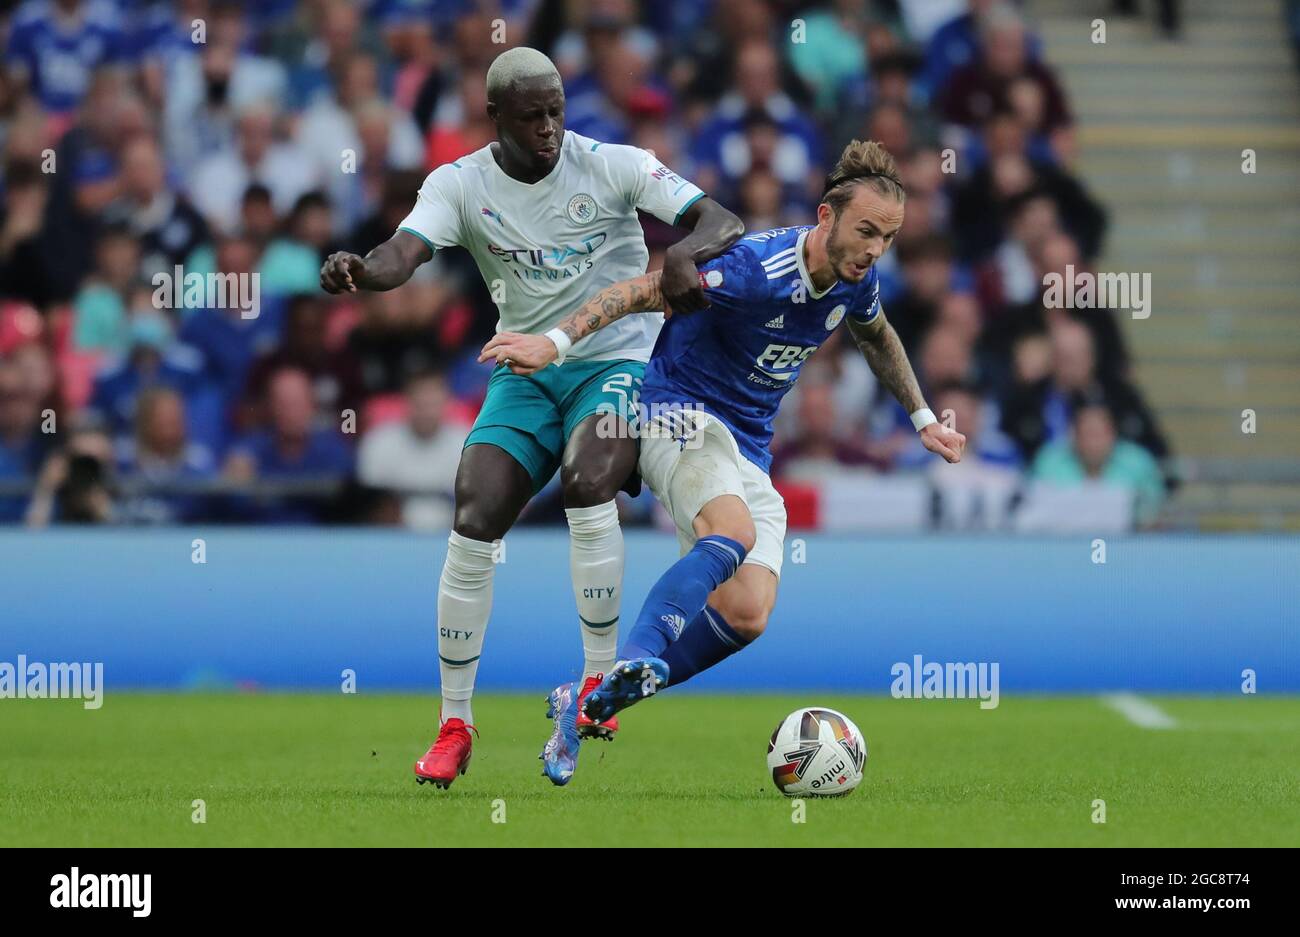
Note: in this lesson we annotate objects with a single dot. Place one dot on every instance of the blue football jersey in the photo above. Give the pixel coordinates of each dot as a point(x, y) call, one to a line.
point(738, 358)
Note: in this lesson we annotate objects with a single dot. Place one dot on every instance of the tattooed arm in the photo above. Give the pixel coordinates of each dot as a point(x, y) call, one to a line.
point(527, 354)
point(883, 349)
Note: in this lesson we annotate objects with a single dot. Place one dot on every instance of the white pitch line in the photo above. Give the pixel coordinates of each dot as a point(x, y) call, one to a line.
point(1139, 712)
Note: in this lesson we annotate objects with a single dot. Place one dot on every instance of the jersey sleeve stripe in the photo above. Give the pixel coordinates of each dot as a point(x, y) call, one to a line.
point(420, 236)
point(687, 207)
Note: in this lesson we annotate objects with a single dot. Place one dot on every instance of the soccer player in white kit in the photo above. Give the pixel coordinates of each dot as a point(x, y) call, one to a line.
point(551, 219)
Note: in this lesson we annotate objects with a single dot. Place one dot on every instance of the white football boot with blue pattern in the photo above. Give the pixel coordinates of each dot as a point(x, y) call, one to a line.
point(560, 755)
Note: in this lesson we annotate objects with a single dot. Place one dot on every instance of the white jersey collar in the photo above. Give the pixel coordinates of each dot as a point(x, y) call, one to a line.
point(803, 269)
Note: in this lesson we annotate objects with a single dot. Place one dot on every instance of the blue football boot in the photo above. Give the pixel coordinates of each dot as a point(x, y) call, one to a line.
point(629, 682)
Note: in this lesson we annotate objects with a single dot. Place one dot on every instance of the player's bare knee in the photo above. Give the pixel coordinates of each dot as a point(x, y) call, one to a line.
point(586, 487)
point(748, 618)
point(726, 516)
point(474, 523)
point(737, 529)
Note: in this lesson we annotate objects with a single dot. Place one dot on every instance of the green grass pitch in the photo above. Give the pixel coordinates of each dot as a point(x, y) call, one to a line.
point(335, 770)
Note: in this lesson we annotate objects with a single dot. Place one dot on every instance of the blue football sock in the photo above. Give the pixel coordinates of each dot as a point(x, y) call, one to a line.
point(681, 593)
point(708, 640)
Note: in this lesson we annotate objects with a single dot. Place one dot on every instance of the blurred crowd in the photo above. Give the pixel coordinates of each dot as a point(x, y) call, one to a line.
point(229, 137)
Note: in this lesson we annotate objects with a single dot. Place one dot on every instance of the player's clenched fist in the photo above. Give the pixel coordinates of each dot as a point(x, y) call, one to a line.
point(523, 354)
point(341, 272)
point(946, 442)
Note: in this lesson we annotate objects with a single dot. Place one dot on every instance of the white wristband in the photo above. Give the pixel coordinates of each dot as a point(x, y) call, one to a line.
point(562, 344)
point(923, 418)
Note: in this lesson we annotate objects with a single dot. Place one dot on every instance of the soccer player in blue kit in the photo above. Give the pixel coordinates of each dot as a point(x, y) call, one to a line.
point(710, 393)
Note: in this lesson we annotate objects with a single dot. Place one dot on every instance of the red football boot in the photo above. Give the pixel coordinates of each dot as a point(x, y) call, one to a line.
point(588, 729)
point(448, 756)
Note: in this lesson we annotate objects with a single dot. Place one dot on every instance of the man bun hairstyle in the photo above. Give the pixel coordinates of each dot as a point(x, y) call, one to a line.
point(866, 163)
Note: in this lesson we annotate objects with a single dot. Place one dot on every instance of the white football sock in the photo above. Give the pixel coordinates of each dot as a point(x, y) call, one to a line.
point(464, 604)
point(596, 565)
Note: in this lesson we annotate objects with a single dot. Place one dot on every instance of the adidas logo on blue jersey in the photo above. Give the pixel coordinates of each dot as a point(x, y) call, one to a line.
point(675, 622)
point(777, 323)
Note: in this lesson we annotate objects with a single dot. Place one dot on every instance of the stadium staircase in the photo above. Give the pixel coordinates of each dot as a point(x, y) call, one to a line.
point(1162, 128)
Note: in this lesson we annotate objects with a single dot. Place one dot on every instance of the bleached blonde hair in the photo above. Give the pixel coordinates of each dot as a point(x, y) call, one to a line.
point(516, 65)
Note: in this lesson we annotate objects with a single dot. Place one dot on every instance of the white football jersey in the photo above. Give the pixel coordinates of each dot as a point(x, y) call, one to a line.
point(545, 249)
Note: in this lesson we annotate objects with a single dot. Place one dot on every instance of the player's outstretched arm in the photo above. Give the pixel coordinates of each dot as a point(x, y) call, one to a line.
point(387, 266)
point(713, 230)
point(883, 349)
point(527, 354)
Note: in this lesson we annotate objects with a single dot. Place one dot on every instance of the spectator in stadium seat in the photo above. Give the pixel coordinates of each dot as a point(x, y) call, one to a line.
point(293, 448)
point(972, 92)
point(218, 183)
point(616, 83)
point(285, 264)
point(945, 356)
point(414, 328)
point(393, 207)
point(892, 85)
point(101, 307)
point(1036, 414)
point(228, 342)
point(23, 447)
point(1008, 276)
point(723, 146)
point(956, 44)
point(311, 225)
point(54, 48)
point(335, 374)
point(208, 93)
point(929, 273)
point(762, 202)
point(832, 58)
point(1093, 451)
point(155, 359)
point(288, 264)
point(601, 32)
point(162, 40)
point(982, 203)
point(888, 124)
point(158, 455)
point(24, 273)
point(355, 122)
point(167, 227)
point(75, 485)
point(461, 125)
point(980, 492)
point(1057, 254)
point(86, 177)
point(322, 50)
point(416, 458)
point(817, 449)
